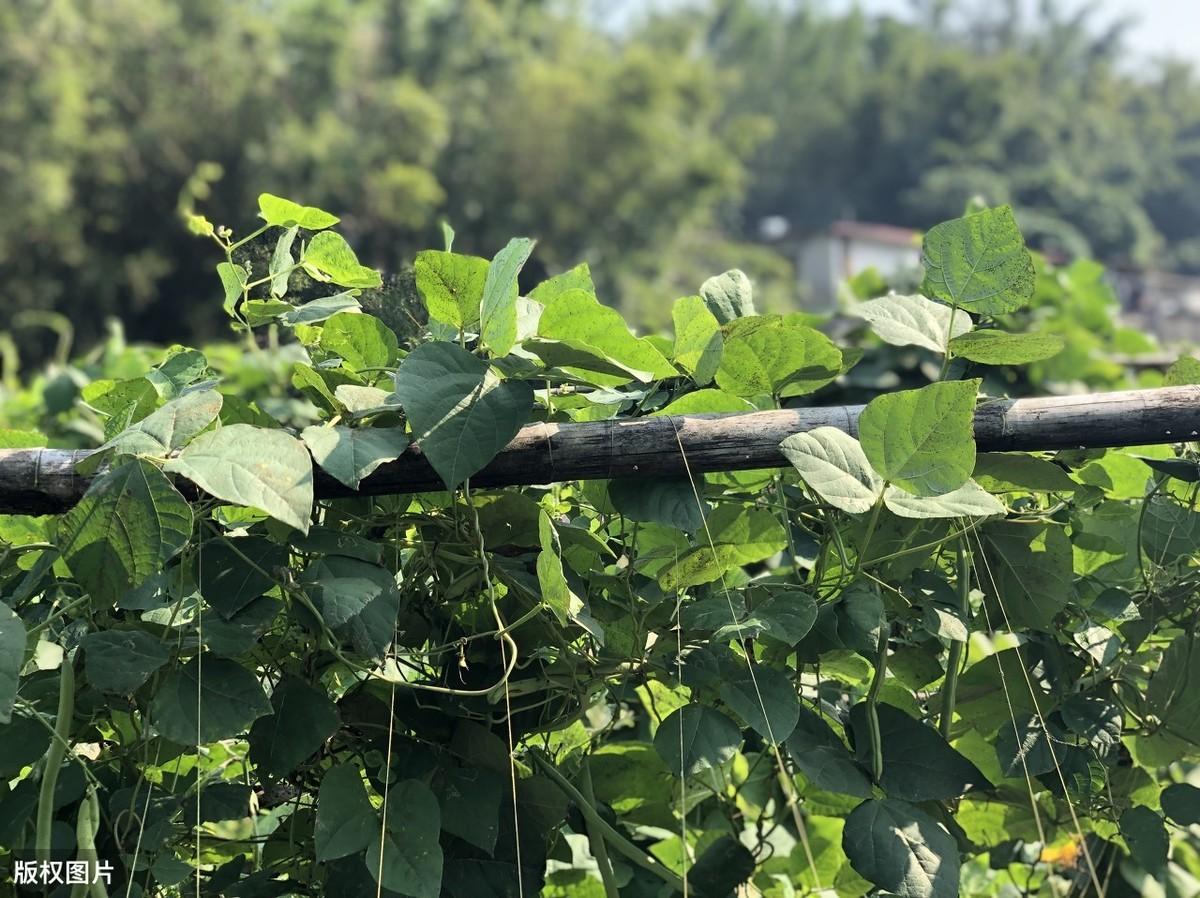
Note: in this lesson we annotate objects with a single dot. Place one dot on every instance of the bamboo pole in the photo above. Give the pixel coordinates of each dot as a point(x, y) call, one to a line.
point(39, 481)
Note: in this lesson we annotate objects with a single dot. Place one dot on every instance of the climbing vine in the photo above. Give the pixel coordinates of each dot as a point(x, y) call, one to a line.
point(900, 666)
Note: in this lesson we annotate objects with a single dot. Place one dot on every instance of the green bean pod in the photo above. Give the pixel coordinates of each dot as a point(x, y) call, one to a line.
point(86, 827)
point(54, 757)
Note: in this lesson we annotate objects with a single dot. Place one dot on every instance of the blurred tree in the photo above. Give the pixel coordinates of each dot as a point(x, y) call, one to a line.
point(904, 121)
point(504, 117)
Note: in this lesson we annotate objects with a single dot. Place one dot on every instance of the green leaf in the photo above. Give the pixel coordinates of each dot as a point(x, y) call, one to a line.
point(233, 280)
point(969, 500)
point(703, 402)
point(578, 278)
point(331, 255)
point(351, 454)
point(345, 587)
point(498, 306)
point(922, 440)
point(577, 318)
point(471, 798)
point(452, 285)
point(323, 309)
point(766, 356)
point(21, 439)
point(205, 700)
point(738, 536)
point(670, 501)
point(901, 850)
point(1184, 371)
point(346, 821)
point(833, 465)
point(1006, 472)
point(698, 343)
point(696, 738)
point(787, 615)
point(555, 592)
point(728, 296)
point(913, 321)
point(724, 865)
point(254, 467)
point(234, 572)
point(362, 341)
point(460, 412)
point(122, 660)
point(1146, 835)
point(408, 859)
point(918, 763)
point(1000, 348)
point(979, 263)
point(304, 718)
point(130, 522)
point(169, 427)
point(1030, 570)
point(824, 759)
point(275, 210)
point(282, 262)
point(12, 657)
point(582, 360)
point(765, 698)
point(1181, 802)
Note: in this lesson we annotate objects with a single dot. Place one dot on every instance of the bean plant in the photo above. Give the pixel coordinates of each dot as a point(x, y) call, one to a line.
point(900, 666)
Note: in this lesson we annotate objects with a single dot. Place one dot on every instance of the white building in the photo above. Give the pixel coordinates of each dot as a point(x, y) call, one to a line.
point(825, 260)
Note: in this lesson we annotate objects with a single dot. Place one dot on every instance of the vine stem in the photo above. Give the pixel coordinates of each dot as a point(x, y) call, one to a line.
point(593, 818)
point(55, 756)
point(954, 662)
point(871, 525)
point(873, 703)
point(596, 838)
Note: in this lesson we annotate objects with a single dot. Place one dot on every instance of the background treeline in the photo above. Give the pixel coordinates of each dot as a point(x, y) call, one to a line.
point(651, 145)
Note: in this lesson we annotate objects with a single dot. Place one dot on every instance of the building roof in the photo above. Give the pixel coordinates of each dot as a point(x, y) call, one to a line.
point(877, 233)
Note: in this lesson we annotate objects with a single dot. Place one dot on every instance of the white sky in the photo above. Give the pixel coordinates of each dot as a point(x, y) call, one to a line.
point(1164, 27)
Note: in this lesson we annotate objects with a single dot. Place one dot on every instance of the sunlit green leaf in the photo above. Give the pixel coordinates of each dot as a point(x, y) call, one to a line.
point(922, 440)
point(460, 411)
point(979, 263)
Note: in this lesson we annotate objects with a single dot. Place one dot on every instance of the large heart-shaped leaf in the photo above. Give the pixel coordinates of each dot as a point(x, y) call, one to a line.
point(696, 738)
point(460, 411)
point(346, 821)
point(252, 466)
point(1000, 348)
point(407, 858)
point(304, 718)
point(733, 536)
point(902, 850)
point(351, 454)
point(979, 262)
point(913, 321)
point(698, 342)
point(130, 522)
point(969, 500)
point(765, 698)
point(207, 699)
point(498, 305)
point(918, 763)
point(122, 660)
point(275, 210)
point(922, 440)
point(452, 285)
point(833, 464)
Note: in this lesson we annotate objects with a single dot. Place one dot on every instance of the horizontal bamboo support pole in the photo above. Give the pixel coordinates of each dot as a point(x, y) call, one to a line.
point(38, 481)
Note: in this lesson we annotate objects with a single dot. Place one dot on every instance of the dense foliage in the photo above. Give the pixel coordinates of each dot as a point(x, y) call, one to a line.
point(900, 667)
point(652, 146)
